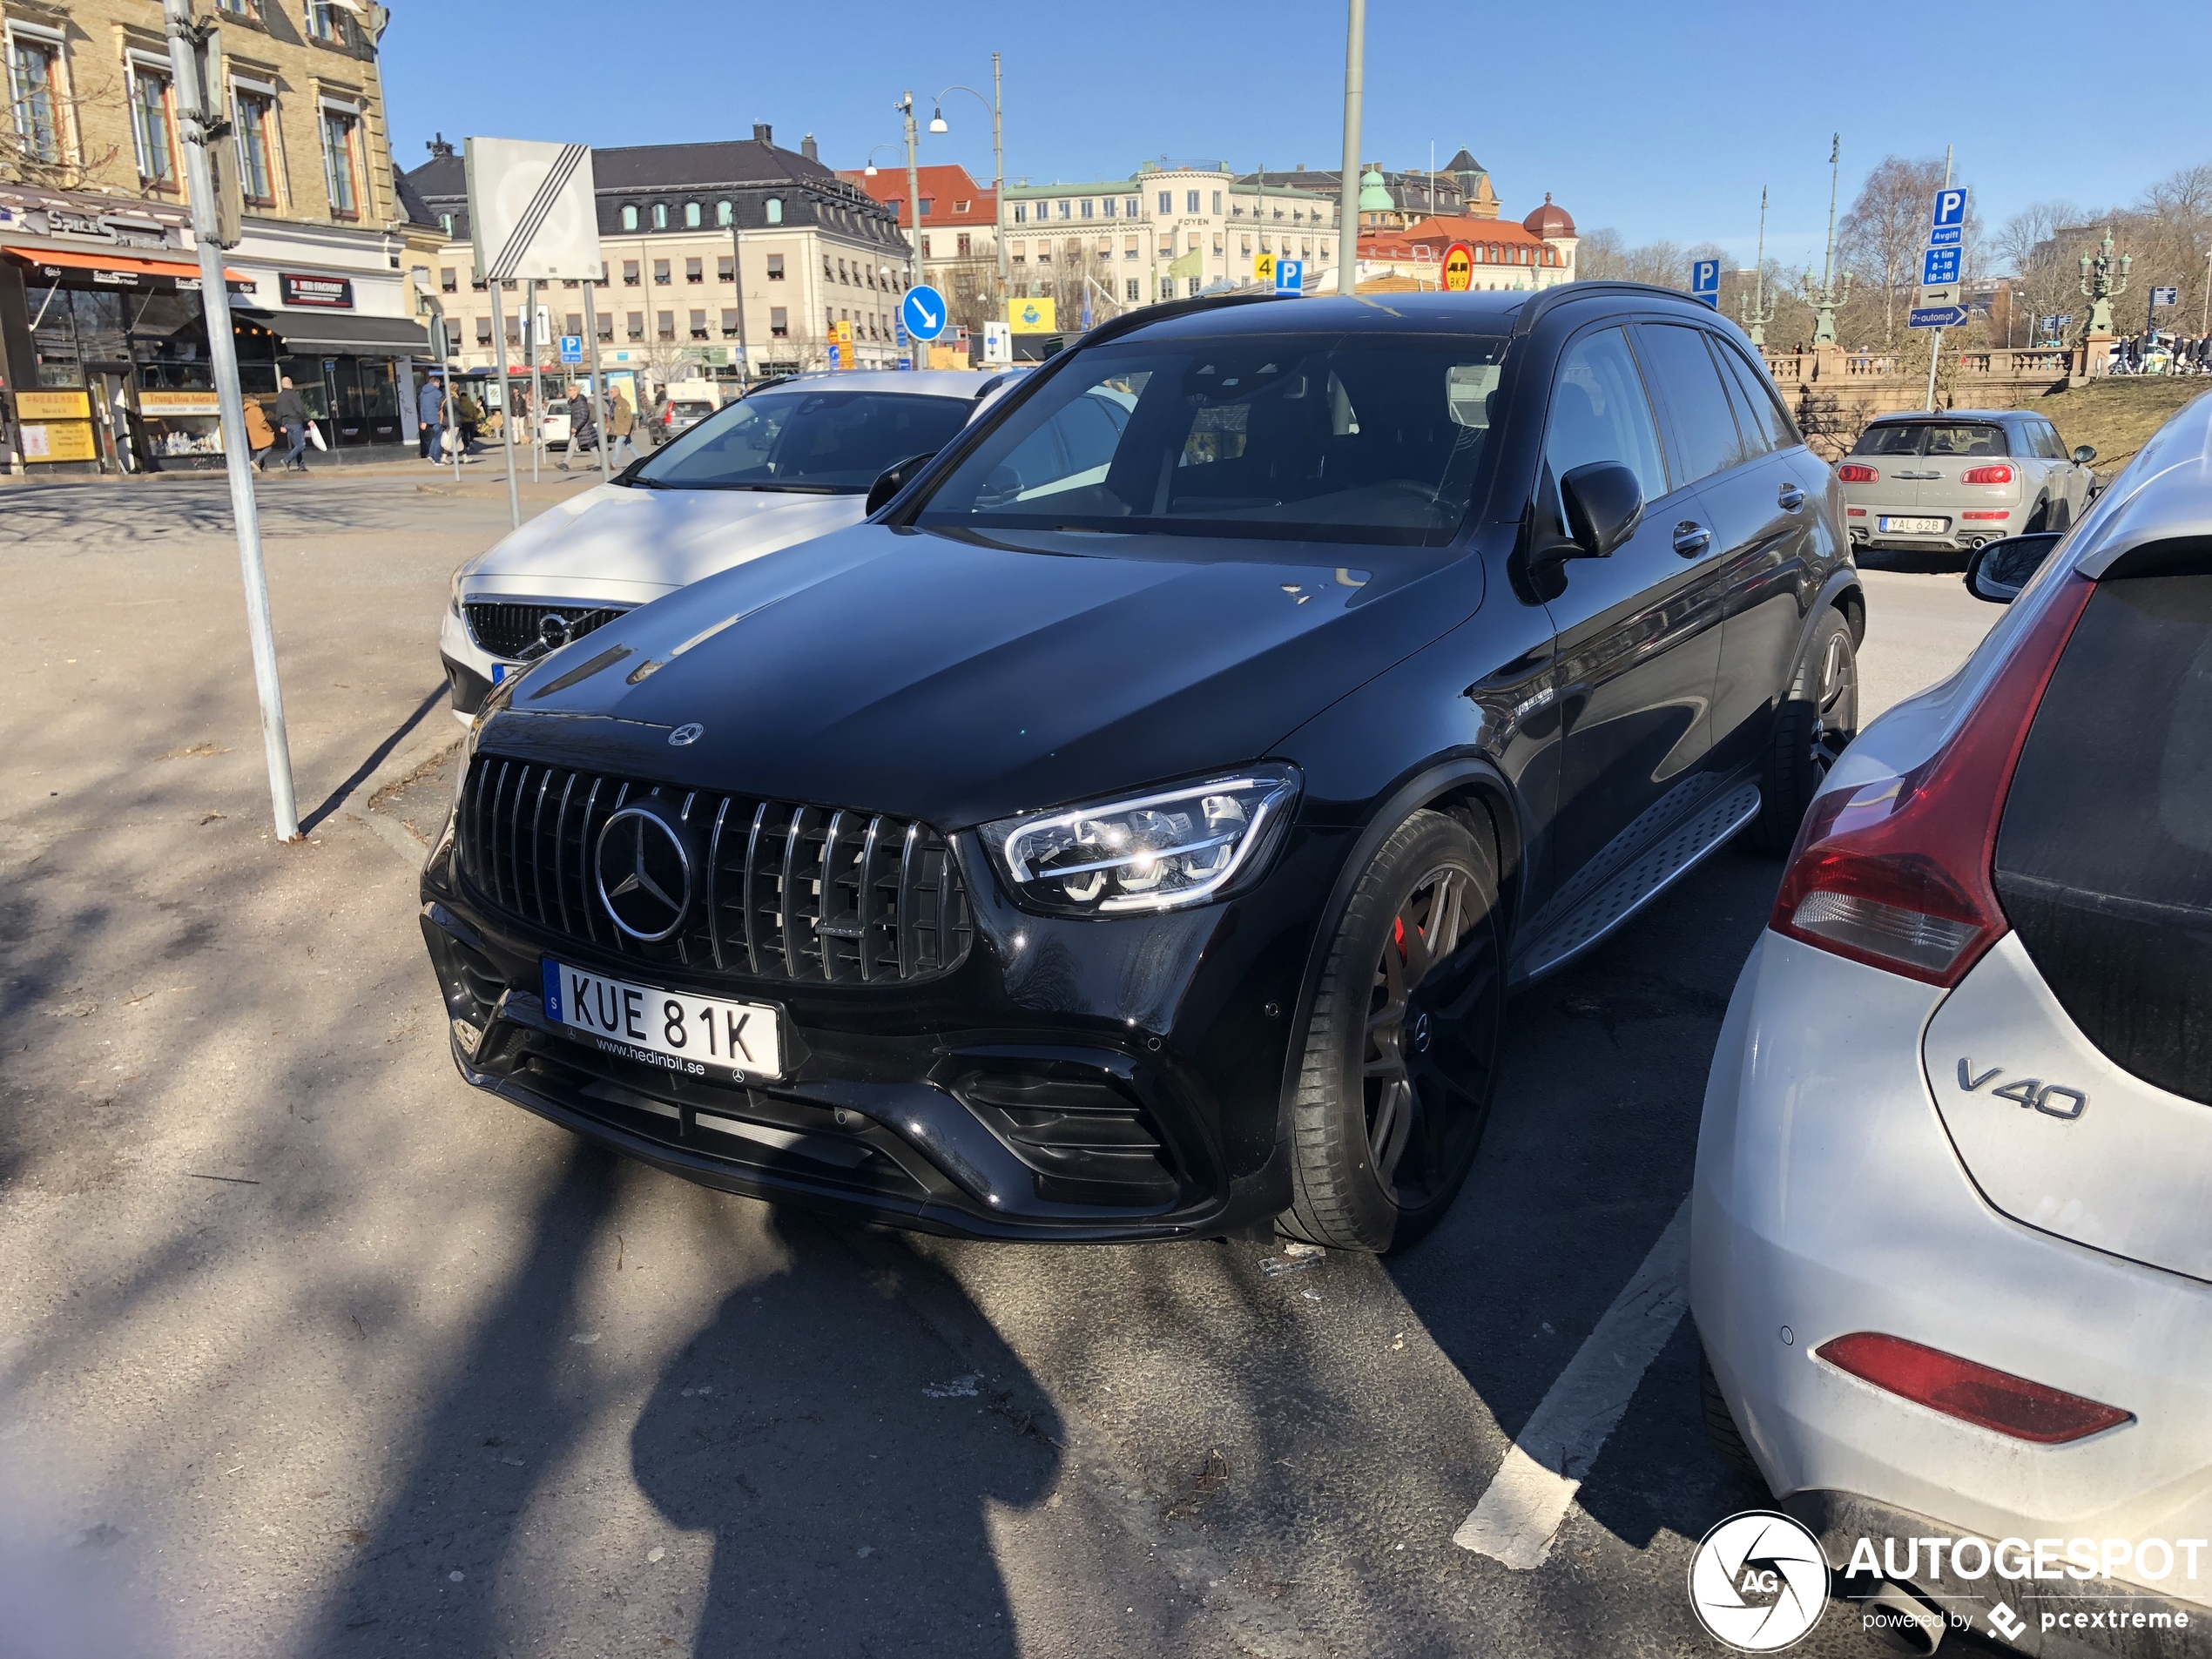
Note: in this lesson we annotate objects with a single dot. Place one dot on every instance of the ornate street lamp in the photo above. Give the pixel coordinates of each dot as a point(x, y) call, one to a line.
point(1757, 312)
point(937, 124)
point(1828, 298)
point(2100, 288)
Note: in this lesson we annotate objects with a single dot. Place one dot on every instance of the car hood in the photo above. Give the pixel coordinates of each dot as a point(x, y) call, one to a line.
point(664, 538)
point(957, 679)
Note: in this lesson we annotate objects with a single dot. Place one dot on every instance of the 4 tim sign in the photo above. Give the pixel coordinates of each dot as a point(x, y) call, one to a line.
point(1459, 268)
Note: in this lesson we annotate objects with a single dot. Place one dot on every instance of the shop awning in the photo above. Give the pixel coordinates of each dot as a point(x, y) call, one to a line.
point(68, 258)
point(302, 331)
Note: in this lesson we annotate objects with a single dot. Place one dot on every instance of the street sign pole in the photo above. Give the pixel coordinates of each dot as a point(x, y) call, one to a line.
point(506, 407)
point(1355, 91)
point(534, 351)
point(203, 125)
point(599, 404)
point(1935, 349)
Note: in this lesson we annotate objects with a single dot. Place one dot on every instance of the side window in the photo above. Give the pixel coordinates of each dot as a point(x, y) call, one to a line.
point(1754, 436)
point(1704, 428)
point(2047, 438)
point(1599, 412)
point(1758, 394)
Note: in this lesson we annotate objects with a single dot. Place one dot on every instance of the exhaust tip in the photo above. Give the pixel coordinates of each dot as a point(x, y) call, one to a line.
point(1896, 1617)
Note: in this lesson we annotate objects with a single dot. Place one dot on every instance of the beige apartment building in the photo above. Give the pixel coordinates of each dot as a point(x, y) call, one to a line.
point(98, 278)
point(1169, 230)
point(723, 260)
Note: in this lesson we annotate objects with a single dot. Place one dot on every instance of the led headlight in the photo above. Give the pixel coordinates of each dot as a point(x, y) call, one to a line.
point(453, 594)
point(1153, 851)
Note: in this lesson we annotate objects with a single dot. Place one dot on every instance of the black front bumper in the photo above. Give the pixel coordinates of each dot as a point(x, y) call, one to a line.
point(1069, 1080)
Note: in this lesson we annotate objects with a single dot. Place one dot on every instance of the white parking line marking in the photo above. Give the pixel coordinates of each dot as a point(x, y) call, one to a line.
point(1535, 1486)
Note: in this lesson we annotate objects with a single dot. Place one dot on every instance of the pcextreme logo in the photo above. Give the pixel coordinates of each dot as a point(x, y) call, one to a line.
point(1758, 1581)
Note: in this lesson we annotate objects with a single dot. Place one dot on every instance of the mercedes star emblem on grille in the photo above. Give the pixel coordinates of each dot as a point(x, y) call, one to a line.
point(690, 733)
point(645, 873)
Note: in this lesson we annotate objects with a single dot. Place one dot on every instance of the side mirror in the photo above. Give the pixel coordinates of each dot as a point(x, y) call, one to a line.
point(1998, 570)
point(894, 478)
point(2084, 455)
point(1604, 505)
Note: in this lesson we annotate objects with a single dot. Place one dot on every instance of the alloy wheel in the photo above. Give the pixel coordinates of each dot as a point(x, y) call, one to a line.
point(1431, 1037)
point(1835, 720)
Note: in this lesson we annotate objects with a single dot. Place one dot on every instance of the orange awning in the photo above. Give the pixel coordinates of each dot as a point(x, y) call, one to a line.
point(76, 262)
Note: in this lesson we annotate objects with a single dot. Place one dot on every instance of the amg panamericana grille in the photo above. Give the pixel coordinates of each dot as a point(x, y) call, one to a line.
point(784, 890)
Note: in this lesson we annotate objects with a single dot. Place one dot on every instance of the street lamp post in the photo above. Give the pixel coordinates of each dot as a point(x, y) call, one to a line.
point(1760, 313)
point(1355, 86)
point(906, 108)
point(2100, 288)
point(998, 164)
point(1828, 298)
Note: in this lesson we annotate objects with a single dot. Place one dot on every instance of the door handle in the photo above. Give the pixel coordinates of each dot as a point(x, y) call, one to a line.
point(1791, 498)
point(1691, 538)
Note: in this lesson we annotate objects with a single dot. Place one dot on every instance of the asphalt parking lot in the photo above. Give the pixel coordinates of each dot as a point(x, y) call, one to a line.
point(307, 1349)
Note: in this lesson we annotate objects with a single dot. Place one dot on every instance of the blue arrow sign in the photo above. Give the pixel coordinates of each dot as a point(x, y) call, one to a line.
point(1705, 281)
point(1935, 317)
point(923, 311)
point(1940, 266)
point(1950, 208)
point(571, 348)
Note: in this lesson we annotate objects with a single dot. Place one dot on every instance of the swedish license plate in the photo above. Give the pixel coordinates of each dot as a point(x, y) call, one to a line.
point(1915, 526)
point(695, 1036)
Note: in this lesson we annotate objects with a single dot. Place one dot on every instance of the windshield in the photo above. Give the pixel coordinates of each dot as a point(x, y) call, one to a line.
point(818, 440)
point(1930, 438)
point(1312, 437)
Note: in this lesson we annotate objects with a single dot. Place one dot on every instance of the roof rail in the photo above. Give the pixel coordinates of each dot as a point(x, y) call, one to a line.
point(1548, 300)
point(1114, 327)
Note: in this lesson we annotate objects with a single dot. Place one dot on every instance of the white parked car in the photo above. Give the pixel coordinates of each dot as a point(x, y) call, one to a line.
point(1959, 479)
point(791, 462)
point(1951, 1224)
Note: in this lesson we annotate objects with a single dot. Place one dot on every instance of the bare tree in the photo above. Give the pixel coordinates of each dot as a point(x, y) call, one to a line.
point(1882, 236)
point(54, 152)
point(2031, 247)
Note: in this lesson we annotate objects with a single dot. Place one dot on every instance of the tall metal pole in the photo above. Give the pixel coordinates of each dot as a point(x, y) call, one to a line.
point(1935, 344)
point(533, 350)
point(1355, 87)
point(598, 383)
point(917, 355)
point(453, 405)
point(737, 276)
point(203, 108)
point(998, 183)
point(506, 404)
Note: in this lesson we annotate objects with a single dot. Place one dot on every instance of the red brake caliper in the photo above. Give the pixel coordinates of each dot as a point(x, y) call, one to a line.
point(1398, 936)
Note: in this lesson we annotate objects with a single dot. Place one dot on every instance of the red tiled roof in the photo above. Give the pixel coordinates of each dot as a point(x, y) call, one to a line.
point(1438, 234)
point(943, 187)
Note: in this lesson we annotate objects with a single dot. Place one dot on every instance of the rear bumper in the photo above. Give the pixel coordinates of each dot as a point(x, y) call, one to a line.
point(1863, 522)
point(1829, 1199)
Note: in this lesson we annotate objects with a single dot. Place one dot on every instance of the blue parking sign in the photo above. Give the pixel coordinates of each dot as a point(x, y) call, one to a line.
point(571, 348)
point(1290, 276)
point(1705, 281)
point(1940, 266)
point(1950, 208)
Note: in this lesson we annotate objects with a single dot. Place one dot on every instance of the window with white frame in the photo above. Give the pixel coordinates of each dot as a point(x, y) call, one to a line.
point(329, 20)
point(342, 159)
point(153, 131)
point(35, 90)
point(254, 132)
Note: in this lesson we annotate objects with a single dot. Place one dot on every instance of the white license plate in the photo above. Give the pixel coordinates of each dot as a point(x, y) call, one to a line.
point(1916, 526)
point(699, 1036)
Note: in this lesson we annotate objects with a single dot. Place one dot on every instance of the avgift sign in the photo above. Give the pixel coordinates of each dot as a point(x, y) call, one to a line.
point(319, 293)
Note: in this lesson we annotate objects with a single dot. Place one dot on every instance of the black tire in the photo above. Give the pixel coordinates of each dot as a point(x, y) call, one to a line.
point(2061, 517)
point(1726, 1439)
point(1816, 724)
point(1398, 1058)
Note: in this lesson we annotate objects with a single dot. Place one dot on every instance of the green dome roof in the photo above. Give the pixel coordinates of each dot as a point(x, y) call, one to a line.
point(1374, 195)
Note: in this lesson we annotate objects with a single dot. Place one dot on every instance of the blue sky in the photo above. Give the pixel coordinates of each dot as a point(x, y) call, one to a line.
point(1661, 121)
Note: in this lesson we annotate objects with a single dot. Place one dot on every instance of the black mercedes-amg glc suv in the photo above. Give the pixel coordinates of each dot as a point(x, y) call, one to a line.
point(1136, 827)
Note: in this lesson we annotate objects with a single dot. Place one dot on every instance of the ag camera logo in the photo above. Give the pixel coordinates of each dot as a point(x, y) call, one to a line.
point(1758, 1581)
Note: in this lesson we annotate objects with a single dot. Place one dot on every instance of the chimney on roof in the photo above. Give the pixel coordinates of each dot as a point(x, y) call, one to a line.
point(761, 132)
point(806, 148)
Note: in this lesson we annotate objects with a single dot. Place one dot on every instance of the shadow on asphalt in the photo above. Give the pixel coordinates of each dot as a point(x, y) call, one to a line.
point(375, 758)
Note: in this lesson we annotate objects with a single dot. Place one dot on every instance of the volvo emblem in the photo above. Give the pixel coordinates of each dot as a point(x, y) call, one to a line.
point(690, 733)
point(553, 629)
point(645, 873)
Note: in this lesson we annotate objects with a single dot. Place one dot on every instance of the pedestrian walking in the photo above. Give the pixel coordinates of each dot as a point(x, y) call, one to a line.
point(260, 437)
point(291, 414)
point(430, 411)
point(583, 429)
point(622, 426)
point(470, 414)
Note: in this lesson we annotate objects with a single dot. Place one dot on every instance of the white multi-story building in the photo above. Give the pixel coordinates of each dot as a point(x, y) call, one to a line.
point(1169, 230)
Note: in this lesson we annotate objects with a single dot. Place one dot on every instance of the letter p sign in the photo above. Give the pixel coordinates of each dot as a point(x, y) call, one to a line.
point(1950, 209)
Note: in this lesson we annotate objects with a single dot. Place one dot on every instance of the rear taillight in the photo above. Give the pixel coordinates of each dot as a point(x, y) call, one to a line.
point(1973, 1393)
point(2001, 513)
point(1852, 473)
point(1896, 872)
point(1986, 475)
